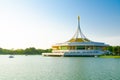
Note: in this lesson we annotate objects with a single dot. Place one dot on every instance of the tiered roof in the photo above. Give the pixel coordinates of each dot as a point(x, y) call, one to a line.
point(80, 39)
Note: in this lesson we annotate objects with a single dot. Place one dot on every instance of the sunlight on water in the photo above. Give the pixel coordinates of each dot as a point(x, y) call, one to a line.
point(58, 68)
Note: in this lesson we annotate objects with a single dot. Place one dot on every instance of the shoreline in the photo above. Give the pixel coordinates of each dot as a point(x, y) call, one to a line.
point(102, 56)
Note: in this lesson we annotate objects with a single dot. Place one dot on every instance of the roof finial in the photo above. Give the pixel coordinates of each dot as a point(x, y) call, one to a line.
point(78, 21)
point(78, 18)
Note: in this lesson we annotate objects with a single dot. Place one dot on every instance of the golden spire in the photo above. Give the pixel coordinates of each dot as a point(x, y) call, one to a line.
point(78, 18)
point(78, 36)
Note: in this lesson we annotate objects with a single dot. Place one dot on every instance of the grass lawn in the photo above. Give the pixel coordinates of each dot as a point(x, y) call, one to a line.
point(109, 56)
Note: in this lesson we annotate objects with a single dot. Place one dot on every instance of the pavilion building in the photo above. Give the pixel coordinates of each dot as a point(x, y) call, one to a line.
point(78, 45)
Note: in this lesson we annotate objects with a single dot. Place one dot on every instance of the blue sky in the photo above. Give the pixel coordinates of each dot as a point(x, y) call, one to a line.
point(41, 23)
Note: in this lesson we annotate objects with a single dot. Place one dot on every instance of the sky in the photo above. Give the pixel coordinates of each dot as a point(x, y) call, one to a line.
point(42, 23)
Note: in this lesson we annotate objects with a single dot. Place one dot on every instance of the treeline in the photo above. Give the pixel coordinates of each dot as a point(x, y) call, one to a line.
point(115, 50)
point(27, 51)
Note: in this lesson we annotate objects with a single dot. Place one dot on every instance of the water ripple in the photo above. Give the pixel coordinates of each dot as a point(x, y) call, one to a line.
point(58, 68)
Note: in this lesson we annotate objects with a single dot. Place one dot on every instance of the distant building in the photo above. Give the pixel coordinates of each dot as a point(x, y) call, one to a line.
point(78, 45)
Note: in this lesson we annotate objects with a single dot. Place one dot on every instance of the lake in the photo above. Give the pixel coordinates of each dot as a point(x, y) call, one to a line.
point(36, 67)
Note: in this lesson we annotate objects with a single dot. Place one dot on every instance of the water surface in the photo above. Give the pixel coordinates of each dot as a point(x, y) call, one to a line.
point(58, 68)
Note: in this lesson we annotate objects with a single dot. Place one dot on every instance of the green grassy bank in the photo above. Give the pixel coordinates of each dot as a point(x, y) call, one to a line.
point(110, 56)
